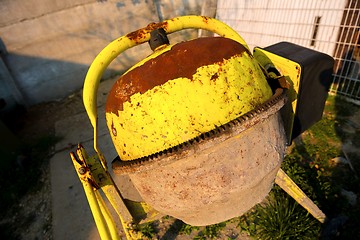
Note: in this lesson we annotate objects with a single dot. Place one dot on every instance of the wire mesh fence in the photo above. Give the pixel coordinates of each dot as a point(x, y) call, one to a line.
point(330, 26)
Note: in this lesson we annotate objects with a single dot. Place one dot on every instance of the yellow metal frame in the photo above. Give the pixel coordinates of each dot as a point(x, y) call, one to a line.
point(92, 171)
point(292, 73)
point(288, 185)
point(93, 177)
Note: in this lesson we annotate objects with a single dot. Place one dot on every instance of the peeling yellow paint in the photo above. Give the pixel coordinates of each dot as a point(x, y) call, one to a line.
point(182, 108)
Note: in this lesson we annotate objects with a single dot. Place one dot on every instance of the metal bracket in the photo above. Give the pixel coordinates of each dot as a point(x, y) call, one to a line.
point(94, 177)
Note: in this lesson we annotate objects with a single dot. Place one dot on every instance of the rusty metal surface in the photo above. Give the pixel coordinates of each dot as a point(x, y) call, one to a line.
point(218, 176)
point(221, 133)
point(150, 74)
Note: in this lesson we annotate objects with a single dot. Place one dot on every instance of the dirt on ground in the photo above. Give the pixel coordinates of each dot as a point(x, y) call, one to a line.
point(31, 216)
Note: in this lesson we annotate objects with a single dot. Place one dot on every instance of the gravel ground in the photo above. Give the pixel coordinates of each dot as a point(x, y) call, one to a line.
point(31, 216)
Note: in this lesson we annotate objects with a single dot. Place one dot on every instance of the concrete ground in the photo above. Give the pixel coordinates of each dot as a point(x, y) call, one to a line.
point(72, 218)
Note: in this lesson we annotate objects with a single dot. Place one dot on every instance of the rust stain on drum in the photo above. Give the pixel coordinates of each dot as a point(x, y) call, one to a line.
point(217, 177)
point(204, 190)
point(181, 61)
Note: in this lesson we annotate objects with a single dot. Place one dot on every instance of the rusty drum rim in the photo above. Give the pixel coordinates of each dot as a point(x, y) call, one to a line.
point(188, 148)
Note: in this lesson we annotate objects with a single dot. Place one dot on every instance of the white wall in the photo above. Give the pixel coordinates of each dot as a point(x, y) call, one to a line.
point(266, 22)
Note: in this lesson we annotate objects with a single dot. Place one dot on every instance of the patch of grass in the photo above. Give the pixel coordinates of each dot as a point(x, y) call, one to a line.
point(283, 218)
point(188, 229)
point(211, 231)
point(313, 177)
point(148, 230)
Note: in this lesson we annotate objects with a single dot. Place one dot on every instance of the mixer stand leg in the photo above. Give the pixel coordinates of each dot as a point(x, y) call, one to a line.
point(290, 187)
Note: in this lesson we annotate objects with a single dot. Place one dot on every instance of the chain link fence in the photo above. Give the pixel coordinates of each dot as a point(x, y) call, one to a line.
point(328, 26)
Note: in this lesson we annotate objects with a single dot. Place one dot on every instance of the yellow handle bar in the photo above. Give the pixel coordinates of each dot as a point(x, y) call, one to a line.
point(116, 47)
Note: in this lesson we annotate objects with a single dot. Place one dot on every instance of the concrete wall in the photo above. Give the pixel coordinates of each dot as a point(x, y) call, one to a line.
point(48, 45)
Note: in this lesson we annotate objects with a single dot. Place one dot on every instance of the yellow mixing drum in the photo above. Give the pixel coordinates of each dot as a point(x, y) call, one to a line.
point(177, 120)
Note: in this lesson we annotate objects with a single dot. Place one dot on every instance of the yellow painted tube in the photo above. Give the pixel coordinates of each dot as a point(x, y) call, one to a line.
point(107, 216)
point(93, 202)
point(104, 220)
point(290, 187)
point(99, 218)
point(116, 47)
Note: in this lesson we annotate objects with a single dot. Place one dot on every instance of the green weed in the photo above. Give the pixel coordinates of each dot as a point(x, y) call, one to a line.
point(283, 218)
point(148, 230)
point(211, 231)
point(188, 229)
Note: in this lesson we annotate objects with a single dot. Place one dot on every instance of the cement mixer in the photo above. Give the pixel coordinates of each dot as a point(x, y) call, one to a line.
point(200, 127)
